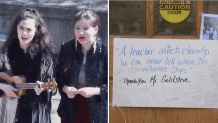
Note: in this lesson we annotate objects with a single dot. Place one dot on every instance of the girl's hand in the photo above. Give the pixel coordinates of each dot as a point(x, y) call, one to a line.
point(89, 91)
point(9, 90)
point(70, 91)
point(37, 89)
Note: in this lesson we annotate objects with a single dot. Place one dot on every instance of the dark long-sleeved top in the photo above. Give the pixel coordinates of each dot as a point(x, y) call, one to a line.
point(96, 71)
point(35, 66)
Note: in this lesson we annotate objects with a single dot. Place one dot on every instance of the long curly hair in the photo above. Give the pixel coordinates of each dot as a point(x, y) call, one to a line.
point(42, 40)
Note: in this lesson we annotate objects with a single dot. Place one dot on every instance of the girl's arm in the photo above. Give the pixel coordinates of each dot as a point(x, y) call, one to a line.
point(101, 90)
point(47, 74)
point(8, 89)
point(104, 86)
point(51, 72)
point(60, 74)
point(1, 70)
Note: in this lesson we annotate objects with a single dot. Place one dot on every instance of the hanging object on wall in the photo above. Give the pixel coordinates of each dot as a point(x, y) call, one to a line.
point(174, 11)
point(209, 27)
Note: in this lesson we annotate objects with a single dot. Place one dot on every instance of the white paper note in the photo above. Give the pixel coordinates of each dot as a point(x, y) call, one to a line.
point(165, 73)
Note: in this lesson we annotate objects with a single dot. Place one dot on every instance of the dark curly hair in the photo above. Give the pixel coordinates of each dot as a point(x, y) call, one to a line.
point(42, 40)
point(89, 15)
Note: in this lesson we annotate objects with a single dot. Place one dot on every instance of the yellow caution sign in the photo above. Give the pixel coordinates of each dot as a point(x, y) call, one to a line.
point(174, 11)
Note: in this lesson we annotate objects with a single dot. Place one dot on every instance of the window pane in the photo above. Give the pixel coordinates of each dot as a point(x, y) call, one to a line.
point(210, 7)
point(183, 28)
point(127, 18)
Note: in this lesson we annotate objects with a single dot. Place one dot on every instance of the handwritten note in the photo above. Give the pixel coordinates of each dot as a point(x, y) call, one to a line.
point(165, 73)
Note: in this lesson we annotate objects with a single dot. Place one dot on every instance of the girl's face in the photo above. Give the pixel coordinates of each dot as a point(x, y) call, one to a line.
point(26, 31)
point(85, 33)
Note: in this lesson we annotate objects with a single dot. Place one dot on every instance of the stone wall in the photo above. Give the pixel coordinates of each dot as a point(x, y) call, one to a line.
point(59, 20)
